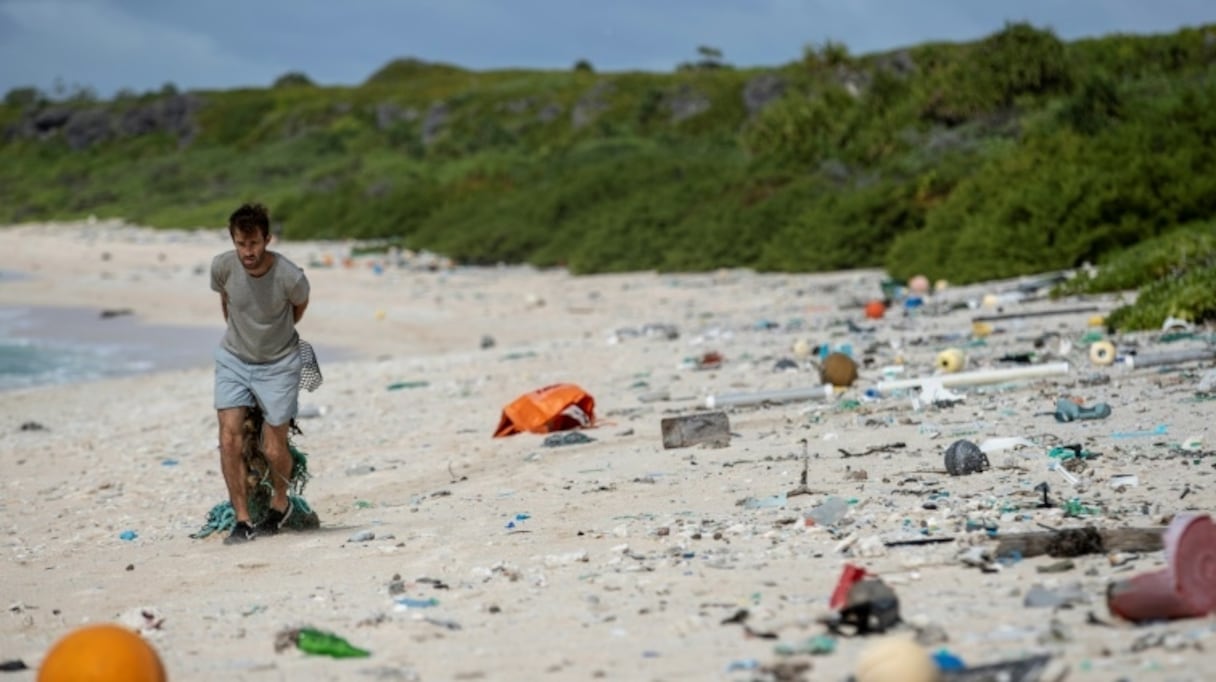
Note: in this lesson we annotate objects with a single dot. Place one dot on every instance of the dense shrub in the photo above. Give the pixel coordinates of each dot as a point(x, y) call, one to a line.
point(1011, 155)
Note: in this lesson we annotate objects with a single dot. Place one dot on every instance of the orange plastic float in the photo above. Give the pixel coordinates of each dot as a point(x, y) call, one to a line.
point(102, 653)
point(876, 309)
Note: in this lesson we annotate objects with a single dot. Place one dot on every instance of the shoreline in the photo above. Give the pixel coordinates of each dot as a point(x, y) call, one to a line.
point(75, 345)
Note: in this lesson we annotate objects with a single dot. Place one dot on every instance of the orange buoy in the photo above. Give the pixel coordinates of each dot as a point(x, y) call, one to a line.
point(876, 309)
point(102, 653)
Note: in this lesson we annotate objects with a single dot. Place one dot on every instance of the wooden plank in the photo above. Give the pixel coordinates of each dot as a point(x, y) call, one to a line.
point(709, 428)
point(1071, 542)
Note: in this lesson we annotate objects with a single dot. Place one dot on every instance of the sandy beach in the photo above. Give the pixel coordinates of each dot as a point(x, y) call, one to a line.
point(616, 559)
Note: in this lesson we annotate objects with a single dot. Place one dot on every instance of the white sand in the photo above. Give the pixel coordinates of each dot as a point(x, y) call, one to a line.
point(632, 555)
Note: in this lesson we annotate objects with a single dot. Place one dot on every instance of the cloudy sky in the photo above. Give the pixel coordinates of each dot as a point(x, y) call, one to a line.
point(142, 44)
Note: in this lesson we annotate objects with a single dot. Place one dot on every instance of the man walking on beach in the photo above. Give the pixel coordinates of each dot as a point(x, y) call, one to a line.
point(263, 296)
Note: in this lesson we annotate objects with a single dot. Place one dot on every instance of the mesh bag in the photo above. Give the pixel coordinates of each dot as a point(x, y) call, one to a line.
point(310, 371)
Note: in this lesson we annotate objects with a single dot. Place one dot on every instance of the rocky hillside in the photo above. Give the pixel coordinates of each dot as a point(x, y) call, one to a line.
point(1017, 153)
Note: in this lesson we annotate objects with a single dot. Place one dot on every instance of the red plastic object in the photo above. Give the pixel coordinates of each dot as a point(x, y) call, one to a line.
point(1186, 588)
point(849, 576)
point(875, 309)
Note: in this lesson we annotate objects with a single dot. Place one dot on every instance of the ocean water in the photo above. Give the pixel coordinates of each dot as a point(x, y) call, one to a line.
point(51, 345)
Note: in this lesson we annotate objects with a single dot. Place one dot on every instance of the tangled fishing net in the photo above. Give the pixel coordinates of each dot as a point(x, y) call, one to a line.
point(222, 517)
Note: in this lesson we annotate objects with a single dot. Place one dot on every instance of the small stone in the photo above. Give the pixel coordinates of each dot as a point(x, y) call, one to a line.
point(362, 536)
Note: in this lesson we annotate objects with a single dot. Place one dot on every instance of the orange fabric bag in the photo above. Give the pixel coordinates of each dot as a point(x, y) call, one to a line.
point(559, 407)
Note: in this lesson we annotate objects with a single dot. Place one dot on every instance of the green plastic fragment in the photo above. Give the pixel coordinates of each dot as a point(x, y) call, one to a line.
point(317, 642)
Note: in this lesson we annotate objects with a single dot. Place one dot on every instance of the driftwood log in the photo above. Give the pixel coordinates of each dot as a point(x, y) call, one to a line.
point(1072, 542)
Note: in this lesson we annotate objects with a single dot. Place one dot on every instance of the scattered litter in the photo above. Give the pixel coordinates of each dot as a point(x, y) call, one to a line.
point(1068, 411)
point(405, 603)
point(978, 377)
point(896, 659)
point(1175, 357)
point(777, 396)
point(818, 645)
point(1159, 430)
point(838, 369)
point(933, 393)
point(705, 361)
point(317, 642)
point(827, 513)
point(993, 445)
point(706, 428)
point(964, 458)
point(785, 365)
point(399, 385)
point(1036, 313)
point(948, 662)
point(1186, 588)
point(1030, 669)
point(558, 407)
point(864, 602)
point(1102, 353)
point(568, 438)
point(950, 360)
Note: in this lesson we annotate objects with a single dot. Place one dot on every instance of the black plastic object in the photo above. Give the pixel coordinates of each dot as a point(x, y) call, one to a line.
point(964, 457)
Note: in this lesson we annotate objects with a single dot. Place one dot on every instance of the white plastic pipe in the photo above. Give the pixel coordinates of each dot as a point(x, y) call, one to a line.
point(1172, 357)
point(982, 376)
point(775, 396)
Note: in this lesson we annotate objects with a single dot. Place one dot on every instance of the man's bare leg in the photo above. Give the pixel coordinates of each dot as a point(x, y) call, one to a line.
point(274, 445)
point(232, 463)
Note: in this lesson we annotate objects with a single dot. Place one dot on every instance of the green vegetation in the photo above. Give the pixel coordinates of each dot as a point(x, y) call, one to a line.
point(1016, 154)
point(1175, 275)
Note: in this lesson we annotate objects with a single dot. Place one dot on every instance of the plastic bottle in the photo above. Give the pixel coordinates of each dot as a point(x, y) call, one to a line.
point(829, 512)
point(313, 641)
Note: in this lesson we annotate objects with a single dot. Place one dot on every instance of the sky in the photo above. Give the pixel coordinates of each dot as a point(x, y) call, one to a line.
point(140, 45)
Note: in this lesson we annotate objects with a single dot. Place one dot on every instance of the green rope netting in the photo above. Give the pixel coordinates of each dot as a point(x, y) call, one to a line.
point(222, 517)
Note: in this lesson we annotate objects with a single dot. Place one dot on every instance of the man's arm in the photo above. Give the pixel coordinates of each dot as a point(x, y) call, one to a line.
point(297, 311)
point(224, 305)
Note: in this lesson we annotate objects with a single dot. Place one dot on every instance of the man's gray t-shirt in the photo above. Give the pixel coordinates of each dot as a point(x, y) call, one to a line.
point(261, 325)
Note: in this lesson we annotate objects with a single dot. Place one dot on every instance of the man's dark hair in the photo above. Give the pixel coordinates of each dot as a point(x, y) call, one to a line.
point(248, 218)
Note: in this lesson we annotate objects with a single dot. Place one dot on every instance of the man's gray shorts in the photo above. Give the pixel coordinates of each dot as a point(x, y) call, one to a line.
point(275, 386)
